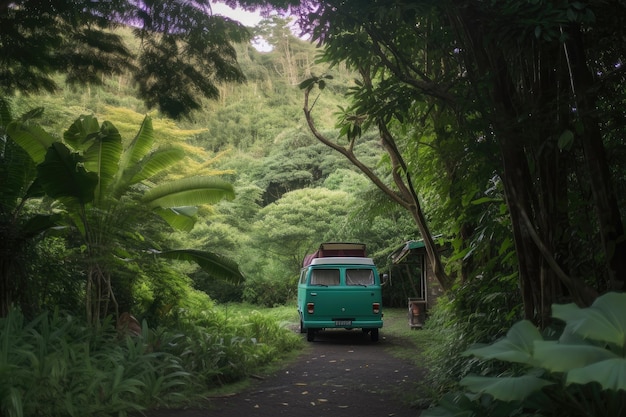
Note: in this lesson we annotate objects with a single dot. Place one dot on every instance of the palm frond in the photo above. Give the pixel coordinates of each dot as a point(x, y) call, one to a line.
point(178, 219)
point(157, 162)
point(103, 157)
point(62, 176)
point(32, 138)
point(81, 133)
point(189, 192)
point(140, 146)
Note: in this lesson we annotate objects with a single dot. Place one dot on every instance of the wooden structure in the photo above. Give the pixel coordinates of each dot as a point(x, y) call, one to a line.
point(411, 269)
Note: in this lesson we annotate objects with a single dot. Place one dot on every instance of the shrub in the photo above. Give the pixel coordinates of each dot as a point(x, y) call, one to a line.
point(582, 373)
point(55, 365)
point(479, 311)
point(219, 346)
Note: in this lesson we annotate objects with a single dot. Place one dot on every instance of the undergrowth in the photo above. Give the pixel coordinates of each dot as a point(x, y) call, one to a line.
point(55, 365)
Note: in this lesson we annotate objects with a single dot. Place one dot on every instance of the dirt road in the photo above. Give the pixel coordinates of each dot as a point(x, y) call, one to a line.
point(341, 374)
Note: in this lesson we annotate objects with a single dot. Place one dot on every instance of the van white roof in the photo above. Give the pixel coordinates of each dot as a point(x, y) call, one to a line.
point(343, 260)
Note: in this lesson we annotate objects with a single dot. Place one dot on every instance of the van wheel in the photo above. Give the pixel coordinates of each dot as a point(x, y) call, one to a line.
point(374, 335)
point(310, 335)
point(302, 329)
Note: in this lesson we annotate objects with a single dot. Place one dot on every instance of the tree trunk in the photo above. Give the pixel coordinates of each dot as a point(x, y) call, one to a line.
point(605, 201)
point(406, 197)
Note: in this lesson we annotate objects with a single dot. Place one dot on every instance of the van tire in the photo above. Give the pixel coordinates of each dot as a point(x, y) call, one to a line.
point(302, 329)
point(374, 335)
point(310, 335)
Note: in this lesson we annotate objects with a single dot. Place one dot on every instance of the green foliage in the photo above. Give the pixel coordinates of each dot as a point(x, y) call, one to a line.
point(581, 373)
point(479, 311)
point(57, 366)
point(97, 179)
point(54, 276)
point(20, 224)
point(177, 55)
point(223, 345)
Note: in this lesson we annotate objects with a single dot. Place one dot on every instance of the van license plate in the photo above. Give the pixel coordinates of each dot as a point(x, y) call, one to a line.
point(343, 322)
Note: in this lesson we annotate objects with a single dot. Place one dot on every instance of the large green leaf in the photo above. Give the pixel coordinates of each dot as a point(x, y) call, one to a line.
point(40, 223)
point(153, 164)
point(63, 176)
point(80, 134)
point(604, 321)
point(610, 374)
point(559, 357)
point(32, 138)
point(505, 388)
point(517, 346)
point(140, 146)
point(189, 192)
point(131, 168)
point(180, 218)
point(215, 265)
point(103, 157)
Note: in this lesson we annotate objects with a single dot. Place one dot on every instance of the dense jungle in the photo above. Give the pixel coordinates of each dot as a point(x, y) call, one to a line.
point(161, 183)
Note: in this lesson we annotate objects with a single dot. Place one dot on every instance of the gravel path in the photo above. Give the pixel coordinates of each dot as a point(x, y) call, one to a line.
point(341, 374)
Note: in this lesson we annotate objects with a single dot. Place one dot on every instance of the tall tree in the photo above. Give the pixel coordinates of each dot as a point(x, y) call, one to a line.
point(525, 78)
point(184, 51)
point(401, 190)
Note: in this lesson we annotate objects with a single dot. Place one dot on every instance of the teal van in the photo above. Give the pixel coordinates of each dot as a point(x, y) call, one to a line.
point(338, 291)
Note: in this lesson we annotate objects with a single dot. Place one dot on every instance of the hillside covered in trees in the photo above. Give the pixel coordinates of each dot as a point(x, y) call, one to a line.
point(290, 191)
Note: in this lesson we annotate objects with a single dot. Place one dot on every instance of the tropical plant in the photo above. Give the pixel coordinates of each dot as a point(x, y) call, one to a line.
point(54, 365)
point(582, 372)
point(19, 224)
point(183, 50)
point(223, 345)
point(104, 188)
point(57, 365)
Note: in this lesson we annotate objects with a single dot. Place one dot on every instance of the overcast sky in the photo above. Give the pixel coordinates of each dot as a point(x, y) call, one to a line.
point(246, 18)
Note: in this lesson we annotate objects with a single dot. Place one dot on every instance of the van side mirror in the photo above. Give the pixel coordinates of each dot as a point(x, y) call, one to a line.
point(385, 279)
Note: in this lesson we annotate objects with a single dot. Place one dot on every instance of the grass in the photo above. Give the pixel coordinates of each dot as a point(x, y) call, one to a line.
point(417, 346)
point(412, 345)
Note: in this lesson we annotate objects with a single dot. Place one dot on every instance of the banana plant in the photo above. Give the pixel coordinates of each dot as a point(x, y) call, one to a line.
point(104, 186)
point(18, 226)
point(582, 373)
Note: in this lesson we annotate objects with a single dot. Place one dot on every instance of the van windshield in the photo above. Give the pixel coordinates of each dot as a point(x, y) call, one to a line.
point(325, 277)
point(359, 277)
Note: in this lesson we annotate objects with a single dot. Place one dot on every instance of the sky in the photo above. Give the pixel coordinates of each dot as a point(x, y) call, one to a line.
point(246, 18)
